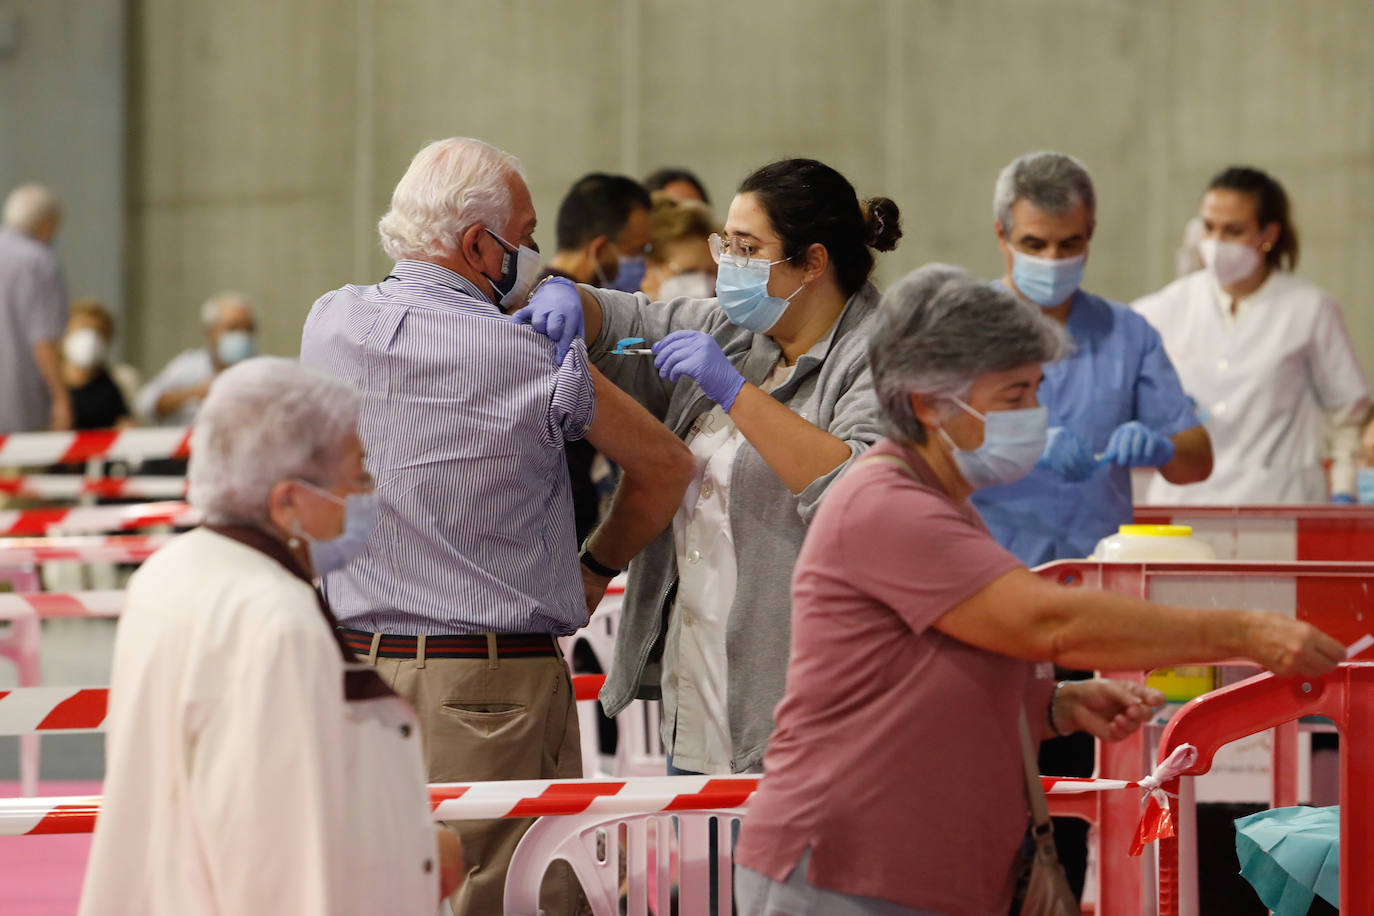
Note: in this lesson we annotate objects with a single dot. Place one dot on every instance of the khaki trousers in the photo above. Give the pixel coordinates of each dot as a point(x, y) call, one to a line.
point(494, 718)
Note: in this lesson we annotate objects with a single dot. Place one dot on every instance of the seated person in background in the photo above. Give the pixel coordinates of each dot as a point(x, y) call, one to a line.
point(173, 397)
point(98, 397)
point(253, 766)
point(678, 184)
point(680, 262)
point(602, 232)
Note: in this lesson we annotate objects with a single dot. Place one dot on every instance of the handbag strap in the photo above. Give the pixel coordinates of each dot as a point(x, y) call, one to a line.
point(1035, 792)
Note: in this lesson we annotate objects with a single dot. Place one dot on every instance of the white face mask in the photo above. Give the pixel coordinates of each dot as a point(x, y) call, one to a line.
point(1229, 262)
point(84, 348)
point(1013, 441)
point(694, 284)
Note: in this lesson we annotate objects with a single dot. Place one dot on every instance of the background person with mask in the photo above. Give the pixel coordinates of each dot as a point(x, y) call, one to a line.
point(769, 386)
point(98, 398)
point(33, 312)
point(1265, 353)
point(680, 262)
point(602, 232)
point(173, 397)
point(1113, 394)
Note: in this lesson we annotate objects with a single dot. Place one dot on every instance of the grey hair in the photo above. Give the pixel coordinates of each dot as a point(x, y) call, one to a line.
point(938, 329)
point(213, 307)
point(266, 419)
point(1053, 182)
point(29, 206)
point(451, 184)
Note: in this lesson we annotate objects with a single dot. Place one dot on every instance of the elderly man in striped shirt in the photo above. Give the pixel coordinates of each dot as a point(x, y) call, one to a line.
point(473, 571)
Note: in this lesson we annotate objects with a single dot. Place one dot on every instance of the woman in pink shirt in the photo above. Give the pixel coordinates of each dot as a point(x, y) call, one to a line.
point(894, 780)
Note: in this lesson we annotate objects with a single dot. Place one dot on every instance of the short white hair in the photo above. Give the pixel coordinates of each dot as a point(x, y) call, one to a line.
point(451, 184)
point(1052, 182)
point(29, 206)
point(266, 419)
point(213, 308)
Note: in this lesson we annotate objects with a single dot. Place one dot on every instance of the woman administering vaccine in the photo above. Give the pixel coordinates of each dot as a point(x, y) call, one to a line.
point(1265, 354)
point(768, 384)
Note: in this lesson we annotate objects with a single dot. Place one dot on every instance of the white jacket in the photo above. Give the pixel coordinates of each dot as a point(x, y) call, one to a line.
point(1274, 383)
point(240, 780)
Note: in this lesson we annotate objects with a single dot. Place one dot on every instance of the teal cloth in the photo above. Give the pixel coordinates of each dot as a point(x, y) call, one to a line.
point(1288, 854)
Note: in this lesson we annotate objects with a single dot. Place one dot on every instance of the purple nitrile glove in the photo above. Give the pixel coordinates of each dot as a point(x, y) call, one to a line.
point(1066, 455)
point(1135, 445)
point(555, 310)
point(697, 355)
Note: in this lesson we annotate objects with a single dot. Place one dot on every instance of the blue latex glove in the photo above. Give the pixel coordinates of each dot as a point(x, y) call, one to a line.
point(1344, 499)
point(698, 356)
point(555, 310)
point(1135, 445)
point(1067, 456)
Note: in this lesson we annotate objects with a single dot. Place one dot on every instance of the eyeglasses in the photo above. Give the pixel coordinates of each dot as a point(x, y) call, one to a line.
point(737, 251)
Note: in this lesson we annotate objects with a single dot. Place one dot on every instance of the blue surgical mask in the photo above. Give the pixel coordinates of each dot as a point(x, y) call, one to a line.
point(1046, 281)
point(629, 276)
point(742, 290)
point(1013, 441)
point(362, 512)
point(235, 347)
point(1365, 486)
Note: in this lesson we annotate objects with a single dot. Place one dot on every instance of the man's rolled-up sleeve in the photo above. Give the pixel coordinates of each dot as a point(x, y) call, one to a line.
point(572, 404)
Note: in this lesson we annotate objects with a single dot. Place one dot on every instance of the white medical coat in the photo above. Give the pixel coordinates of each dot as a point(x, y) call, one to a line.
point(240, 780)
point(1274, 383)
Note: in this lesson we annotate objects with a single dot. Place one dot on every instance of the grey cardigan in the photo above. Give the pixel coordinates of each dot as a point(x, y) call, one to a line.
point(832, 387)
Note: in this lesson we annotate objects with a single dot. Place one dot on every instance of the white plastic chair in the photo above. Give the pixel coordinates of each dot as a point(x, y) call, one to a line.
point(593, 845)
point(639, 751)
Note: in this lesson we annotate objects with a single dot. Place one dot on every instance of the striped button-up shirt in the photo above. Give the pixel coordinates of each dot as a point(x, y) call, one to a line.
point(464, 419)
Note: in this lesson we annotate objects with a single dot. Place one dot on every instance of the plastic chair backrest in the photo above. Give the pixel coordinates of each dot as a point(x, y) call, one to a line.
point(649, 845)
point(640, 751)
point(1346, 697)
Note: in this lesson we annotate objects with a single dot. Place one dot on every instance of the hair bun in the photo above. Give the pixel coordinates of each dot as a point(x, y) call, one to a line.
point(883, 220)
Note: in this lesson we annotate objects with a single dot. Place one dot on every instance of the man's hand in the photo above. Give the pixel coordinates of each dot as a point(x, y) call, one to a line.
point(1106, 709)
point(450, 854)
point(555, 310)
point(593, 588)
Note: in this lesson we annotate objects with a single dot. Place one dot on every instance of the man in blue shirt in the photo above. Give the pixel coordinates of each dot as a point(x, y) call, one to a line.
point(1115, 402)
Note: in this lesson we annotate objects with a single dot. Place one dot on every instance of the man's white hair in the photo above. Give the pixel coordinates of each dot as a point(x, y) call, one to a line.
point(214, 307)
point(29, 206)
point(451, 184)
point(266, 419)
point(1052, 182)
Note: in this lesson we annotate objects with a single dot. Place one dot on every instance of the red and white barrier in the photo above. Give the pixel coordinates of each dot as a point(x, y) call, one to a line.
point(19, 449)
point(16, 605)
point(73, 486)
point(127, 548)
point(35, 710)
point(96, 519)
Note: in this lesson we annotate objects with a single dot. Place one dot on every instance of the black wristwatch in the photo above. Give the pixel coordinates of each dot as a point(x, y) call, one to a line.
point(595, 565)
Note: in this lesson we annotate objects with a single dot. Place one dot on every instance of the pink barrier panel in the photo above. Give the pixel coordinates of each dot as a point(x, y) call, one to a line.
point(1333, 596)
point(1346, 697)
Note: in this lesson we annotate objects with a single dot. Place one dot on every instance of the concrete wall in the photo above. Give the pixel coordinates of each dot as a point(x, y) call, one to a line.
point(267, 136)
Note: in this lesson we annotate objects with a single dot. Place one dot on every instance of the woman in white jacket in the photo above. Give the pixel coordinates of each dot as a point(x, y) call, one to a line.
point(1266, 355)
point(252, 768)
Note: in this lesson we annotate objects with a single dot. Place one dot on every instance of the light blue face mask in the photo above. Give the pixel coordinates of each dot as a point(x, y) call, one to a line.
point(1046, 282)
point(235, 347)
point(362, 512)
point(1013, 441)
point(742, 290)
point(629, 276)
point(1365, 486)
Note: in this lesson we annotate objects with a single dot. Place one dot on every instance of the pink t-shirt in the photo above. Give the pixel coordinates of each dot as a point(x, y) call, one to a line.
point(896, 757)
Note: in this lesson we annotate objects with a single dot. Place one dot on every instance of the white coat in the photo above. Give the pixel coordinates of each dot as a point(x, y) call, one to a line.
point(240, 780)
point(1278, 385)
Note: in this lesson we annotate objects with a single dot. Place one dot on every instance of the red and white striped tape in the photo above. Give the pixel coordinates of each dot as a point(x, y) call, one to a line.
point(112, 444)
point(73, 486)
point(122, 548)
point(14, 605)
point(96, 519)
point(514, 798)
point(34, 710)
